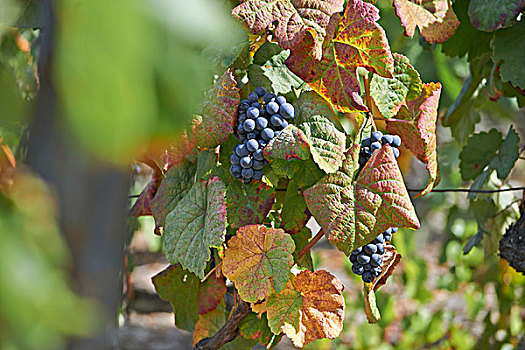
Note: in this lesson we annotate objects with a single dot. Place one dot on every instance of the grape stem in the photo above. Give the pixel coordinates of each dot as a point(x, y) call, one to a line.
point(311, 243)
point(369, 102)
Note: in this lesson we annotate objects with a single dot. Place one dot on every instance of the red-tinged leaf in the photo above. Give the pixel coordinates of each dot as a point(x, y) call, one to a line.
point(310, 307)
point(142, 205)
point(353, 212)
point(248, 204)
point(297, 20)
point(175, 185)
point(181, 150)
point(390, 260)
point(255, 327)
point(211, 292)
point(7, 166)
point(489, 15)
point(294, 214)
point(290, 143)
point(358, 42)
point(178, 286)
point(418, 130)
point(219, 113)
point(197, 223)
point(258, 261)
point(435, 18)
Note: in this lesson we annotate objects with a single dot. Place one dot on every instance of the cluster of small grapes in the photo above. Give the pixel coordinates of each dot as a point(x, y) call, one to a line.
point(367, 260)
point(261, 117)
point(374, 142)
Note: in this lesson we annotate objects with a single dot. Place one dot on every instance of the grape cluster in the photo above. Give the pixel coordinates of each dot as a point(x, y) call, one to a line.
point(262, 116)
point(366, 261)
point(374, 142)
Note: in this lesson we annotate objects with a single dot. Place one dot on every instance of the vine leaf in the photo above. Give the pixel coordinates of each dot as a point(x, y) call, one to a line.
point(255, 327)
point(175, 185)
point(478, 153)
point(310, 307)
point(294, 214)
point(290, 143)
point(389, 94)
point(219, 113)
point(390, 260)
point(494, 14)
point(268, 70)
point(507, 155)
point(178, 286)
point(311, 103)
point(197, 223)
point(258, 261)
point(143, 204)
point(353, 41)
point(304, 173)
point(301, 239)
point(435, 18)
point(296, 20)
point(248, 204)
point(418, 131)
point(352, 213)
point(509, 47)
point(210, 293)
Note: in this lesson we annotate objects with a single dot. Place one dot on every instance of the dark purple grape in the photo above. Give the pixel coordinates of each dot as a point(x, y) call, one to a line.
point(353, 258)
point(280, 100)
point(251, 135)
point(258, 174)
point(240, 130)
point(235, 170)
point(396, 141)
point(241, 118)
point(363, 259)
point(252, 113)
point(380, 238)
point(245, 104)
point(256, 105)
point(247, 173)
point(284, 124)
point(246, 162)
point(272, 108)
point(258, 155)
point(267, 134)
point(246, 180)
point(260, 91)
point(375, 146)
point(235, 159)
point(376, 136)
point(367, 141)
point(261, 123)
point(262, 143)
point(268, 97)
point(396, 152)
point(375, 260)
point(393, 229)
point(276, 120)
point(241, 150)
point(252, 145)
point(368, 277)
point(380, 248)
point(358, 269)
point(249, 125)
point(287, 111)
point(257, 165)
point(387, 139)
point(370, 248)
point(252, 97)
point(358, 250)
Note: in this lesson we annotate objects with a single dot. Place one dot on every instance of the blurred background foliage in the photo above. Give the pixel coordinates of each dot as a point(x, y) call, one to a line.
point(130, 74)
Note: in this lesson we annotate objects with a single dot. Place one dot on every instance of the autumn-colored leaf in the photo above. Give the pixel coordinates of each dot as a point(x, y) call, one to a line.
point(294, 214)
point(389, 94)
point(175, 185)
point(210, 293)
point(353, 41)
point(489, 15)
point(7, 166)
point(142, 205)
point(197, 223)
point(290, 143)
point(310, 307)
point(418, 130)
point(178, 286)
point(178, 151)
point(435, 18)
point(390, 260)
point(255, 327)
point(353, 212)
point(248, 204)
point(296, 19)
point(258, 261)
point(219, 113)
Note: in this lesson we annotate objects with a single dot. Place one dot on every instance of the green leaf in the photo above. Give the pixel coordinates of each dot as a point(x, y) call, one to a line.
point(258, 261)
point(507, 155)
point(418, 130)
point(253, 327)
point(179, 286)
point(197, 223)
point(358, 41)
point(206, 161)
point(290, 143)
point(294, 214)
point(219, 113)
point(301, 239)
point(478, 152)
point(435, 18)
point(389, 94)
point(327, 144)
point(311, 103)
point(268, 70)
point(467, 39)
point(175, 185)
point(353, 212)
point(304, 173)
point(489, 15)
point(509, 47)
point(310, 307)
point(297, 20)
point(248, 204)
point(479, 183)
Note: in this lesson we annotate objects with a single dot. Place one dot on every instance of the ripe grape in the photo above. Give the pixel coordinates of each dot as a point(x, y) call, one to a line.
point(260, 91)
point(267, 134)
point(235, 159)
point(252, 97)
point(241, 150)
point(272, 108)
point(252, 145)
point(247, 173)
point(258, 155)
point(287, 111)
point(246, 162)
point(261, 123)
point(249, 125)
point(252, 113)
point(280, 100)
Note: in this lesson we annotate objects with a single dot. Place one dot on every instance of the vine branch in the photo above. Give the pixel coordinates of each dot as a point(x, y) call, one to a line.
point(310, 244)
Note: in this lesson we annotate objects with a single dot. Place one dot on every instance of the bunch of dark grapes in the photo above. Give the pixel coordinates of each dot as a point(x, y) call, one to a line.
point(261, 117)
point(366, 260)
point(374, 142)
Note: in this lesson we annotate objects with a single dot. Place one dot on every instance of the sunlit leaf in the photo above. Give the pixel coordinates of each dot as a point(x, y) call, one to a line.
point(353, 212)
point(296, 19)
point(418, 130)
point(435, 18)
point(304, 173)
point(311, 103)
point(290, 143)
point(489, 15)
point(248, 204)
point(197, 223)
point(258, 261)
point(310, 307)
